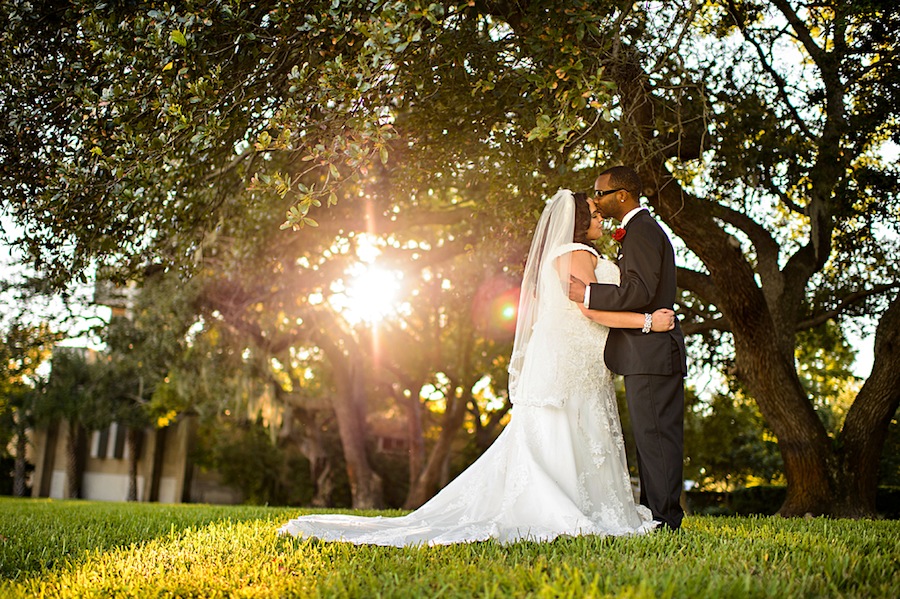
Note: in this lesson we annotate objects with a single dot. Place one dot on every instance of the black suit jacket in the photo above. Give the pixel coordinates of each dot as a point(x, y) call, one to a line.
point(647, 267)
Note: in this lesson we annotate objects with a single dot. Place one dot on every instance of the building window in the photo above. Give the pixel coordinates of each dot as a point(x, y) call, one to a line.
point(109, 443)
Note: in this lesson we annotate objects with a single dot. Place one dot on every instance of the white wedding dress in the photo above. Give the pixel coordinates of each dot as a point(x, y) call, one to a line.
point(558, 468)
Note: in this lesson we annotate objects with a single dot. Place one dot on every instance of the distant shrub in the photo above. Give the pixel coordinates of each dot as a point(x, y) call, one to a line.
point(766, 500)
point(887, 502)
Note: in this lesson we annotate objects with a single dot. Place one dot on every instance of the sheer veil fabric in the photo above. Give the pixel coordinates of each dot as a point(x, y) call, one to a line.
point(558, 467)
point(542, 289)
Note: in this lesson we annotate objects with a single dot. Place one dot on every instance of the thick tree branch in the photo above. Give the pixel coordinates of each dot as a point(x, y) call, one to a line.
point(767, 249)
point(803, 34)
point(847, 301)
point(704, 326)
point(780, 83)
point(698, 283)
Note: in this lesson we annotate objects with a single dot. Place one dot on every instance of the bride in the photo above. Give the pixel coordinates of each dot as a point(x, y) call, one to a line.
point(558, 468)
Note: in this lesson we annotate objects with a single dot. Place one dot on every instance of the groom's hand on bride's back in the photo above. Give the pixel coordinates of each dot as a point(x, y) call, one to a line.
point(576, 289)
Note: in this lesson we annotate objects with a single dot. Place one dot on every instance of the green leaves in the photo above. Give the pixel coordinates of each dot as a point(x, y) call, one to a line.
point(296, 217)
point(178, 37)
point(190, 122)
point(542, 129)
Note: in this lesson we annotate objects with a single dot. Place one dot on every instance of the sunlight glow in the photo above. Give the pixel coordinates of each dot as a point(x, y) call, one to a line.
point(367, 250)
point(371, 294)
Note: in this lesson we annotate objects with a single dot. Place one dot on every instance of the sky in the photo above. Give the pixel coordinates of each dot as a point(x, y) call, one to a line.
point(50, 309)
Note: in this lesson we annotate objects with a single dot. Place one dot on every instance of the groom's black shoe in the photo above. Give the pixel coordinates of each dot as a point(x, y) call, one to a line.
point(662, 526)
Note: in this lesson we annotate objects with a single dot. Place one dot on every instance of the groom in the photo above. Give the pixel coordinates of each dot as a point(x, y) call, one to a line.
point(653, 364)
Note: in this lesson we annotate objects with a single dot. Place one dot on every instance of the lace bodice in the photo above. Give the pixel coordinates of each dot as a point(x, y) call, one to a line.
point(607, 272)
point(566, 348)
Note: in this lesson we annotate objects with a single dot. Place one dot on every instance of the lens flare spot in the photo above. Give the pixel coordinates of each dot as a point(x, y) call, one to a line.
point(495, 307)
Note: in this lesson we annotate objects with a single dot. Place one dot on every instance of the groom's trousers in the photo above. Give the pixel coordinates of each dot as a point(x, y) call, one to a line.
point(656, 408)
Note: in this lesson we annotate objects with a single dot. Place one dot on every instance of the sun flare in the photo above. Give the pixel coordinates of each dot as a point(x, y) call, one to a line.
point(371, 294)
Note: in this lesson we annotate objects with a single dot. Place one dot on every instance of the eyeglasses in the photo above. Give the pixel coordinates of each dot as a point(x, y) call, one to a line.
point(599, 193)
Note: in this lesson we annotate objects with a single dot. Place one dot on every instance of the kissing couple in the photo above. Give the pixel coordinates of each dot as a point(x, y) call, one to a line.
point(559, 466)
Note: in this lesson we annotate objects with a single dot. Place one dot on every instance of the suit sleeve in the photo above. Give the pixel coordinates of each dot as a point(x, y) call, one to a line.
point(640, 276)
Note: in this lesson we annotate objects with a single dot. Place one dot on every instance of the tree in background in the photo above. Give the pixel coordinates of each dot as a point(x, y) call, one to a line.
point(72, 394)
point(141, 345)
point(728, 446)
point(771, 178)
point(288, 296)
point(23, 351)
point(155, 225)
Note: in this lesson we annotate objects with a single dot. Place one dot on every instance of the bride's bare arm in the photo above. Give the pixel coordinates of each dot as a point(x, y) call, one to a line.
point(582, 266)
point(662, 319)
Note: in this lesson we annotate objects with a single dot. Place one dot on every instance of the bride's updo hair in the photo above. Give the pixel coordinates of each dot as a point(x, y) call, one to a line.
point(582, 218)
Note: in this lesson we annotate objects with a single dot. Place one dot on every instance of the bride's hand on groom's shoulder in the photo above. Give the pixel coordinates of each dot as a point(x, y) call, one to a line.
point(663, 320)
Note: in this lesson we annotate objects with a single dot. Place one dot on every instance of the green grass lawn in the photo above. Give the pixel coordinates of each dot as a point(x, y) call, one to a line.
point(77, 549)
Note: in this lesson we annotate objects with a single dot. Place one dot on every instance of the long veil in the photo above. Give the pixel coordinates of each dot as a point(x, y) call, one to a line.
point(542, 287)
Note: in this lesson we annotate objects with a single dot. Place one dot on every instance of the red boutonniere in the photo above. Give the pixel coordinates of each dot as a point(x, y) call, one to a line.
point(618, 234)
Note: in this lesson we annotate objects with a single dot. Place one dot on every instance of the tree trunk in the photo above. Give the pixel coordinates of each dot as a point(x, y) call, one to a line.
point(324, 481)
point(802, 440)
point(134, 439)
point(365, 483)
point(426, 484)
point(20, 465)
point(321, 472)
point(349, 409)
point(865, 427)
point(415, 436)
point(838, 479)
point(765, 360)
point(75, 446)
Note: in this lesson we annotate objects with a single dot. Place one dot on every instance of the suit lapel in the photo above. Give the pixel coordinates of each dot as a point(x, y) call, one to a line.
point(644, 213)
point(620, 254)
